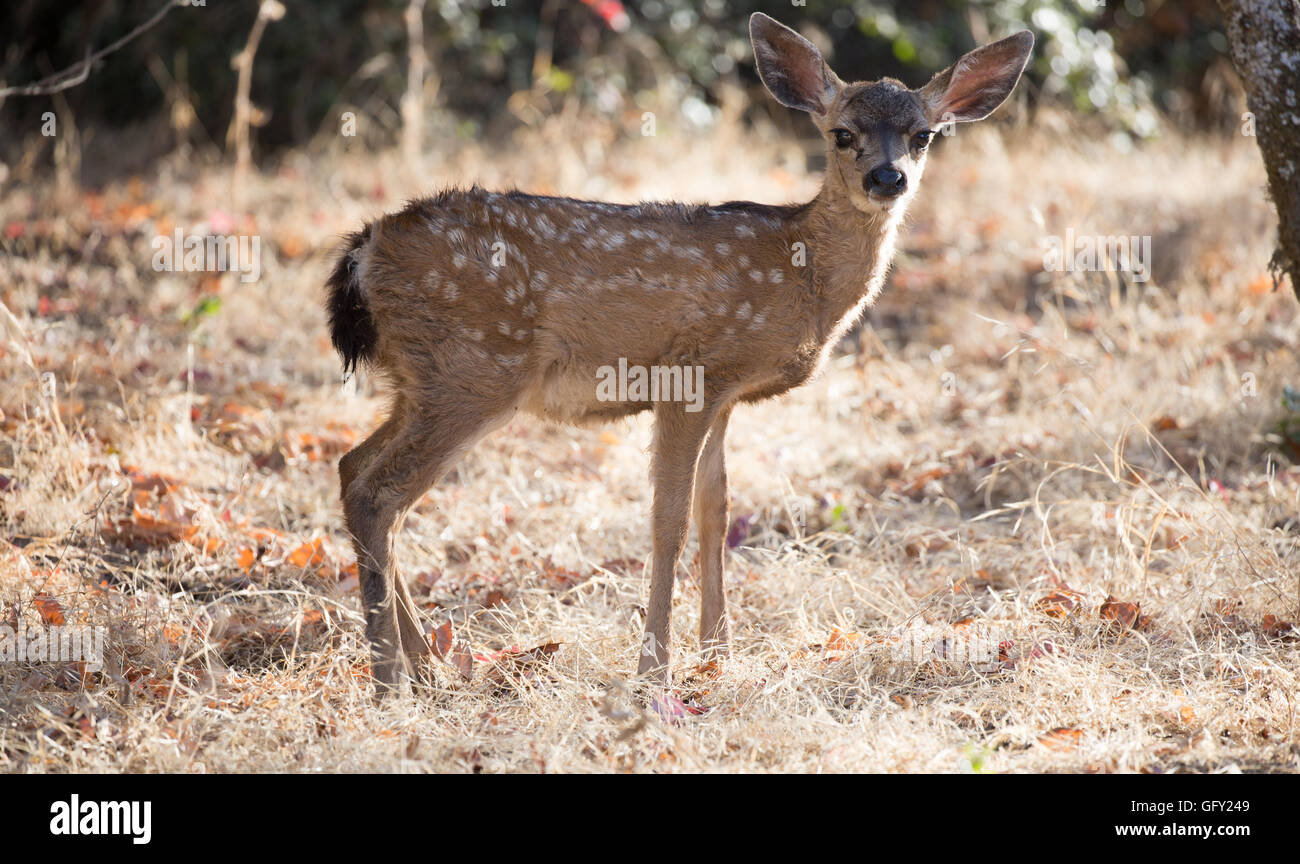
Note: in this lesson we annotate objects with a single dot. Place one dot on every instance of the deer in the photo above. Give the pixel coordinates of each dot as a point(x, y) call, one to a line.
point(473, 306)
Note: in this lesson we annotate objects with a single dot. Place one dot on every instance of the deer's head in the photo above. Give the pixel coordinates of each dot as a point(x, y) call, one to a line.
point(878, 132)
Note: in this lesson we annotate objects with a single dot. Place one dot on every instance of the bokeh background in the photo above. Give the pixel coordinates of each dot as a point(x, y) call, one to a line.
point(1135, 66)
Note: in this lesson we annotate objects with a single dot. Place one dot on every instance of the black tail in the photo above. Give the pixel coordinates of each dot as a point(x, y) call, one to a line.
point(352, 329)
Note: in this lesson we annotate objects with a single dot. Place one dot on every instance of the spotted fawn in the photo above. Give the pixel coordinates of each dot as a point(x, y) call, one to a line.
point(475, 305)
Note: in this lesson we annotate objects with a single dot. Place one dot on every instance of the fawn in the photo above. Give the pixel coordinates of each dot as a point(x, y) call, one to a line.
point(474, 305)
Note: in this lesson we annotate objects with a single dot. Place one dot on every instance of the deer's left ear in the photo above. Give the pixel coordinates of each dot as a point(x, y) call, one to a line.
point(791, 67)
point(974, 86)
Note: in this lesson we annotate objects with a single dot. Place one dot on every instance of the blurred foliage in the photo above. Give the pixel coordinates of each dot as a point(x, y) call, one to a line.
point(1129, 63)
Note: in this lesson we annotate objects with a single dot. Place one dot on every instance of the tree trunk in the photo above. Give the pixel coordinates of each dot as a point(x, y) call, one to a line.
point(1264, 39)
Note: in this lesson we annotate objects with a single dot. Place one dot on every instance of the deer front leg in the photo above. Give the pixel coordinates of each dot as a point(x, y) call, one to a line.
point(711, 519)
point(678, 436)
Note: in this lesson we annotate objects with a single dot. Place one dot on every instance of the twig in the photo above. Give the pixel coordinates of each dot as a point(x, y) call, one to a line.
point(413, 99)
point(79, 72)
point(270, 10)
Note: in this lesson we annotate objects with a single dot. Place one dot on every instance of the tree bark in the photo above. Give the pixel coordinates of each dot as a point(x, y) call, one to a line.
point(1264, 40)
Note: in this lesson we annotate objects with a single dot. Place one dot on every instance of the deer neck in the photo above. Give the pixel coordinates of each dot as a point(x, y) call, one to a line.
point(849, 253)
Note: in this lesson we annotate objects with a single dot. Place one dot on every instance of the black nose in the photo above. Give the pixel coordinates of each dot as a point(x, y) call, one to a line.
point(886, 181)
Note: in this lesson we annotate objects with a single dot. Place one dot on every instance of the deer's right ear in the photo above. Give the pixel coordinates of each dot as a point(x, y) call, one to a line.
point(791, 67)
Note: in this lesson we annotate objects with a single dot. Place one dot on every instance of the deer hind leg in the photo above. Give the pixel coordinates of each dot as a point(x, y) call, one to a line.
point(415, 642)
point(414, 458)
point(711, 519)
point(678, 436)
point(359, 457)
point(351, 465)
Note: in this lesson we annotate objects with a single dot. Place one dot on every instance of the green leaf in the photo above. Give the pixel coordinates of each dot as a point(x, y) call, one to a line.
point(209, 305)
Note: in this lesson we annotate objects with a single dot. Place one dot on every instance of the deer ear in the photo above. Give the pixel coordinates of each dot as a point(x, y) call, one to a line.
point(974, 86)
point(791, 67)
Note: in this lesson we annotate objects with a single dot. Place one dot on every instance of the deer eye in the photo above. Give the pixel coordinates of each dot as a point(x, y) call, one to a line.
point(921, 140)
point(843, 138)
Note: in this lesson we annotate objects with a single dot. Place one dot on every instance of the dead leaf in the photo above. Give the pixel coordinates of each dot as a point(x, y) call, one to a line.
point(1058, 603)
point(1061, 738)
point(513, 663)
point(442, 641)
point(463, 660)
point(50, 609)
point(309, 554)
point(1127, 615)
point(1276, 628)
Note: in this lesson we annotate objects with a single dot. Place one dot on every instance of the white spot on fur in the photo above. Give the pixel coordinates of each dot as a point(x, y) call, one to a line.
point(776, 275)
point(756, 275)
point(743, 230)
point(722, 249)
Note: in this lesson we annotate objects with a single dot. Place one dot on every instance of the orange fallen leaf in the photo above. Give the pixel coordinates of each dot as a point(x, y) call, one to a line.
point(1057, 604)
point(442, 641)
point(1276, 628)
point(144, 481)
point(1061, 738)
point(51, 610)
point(842, 641)
point(264, 535)
point(308, 554)
point(919, 482)
point(1127, 615)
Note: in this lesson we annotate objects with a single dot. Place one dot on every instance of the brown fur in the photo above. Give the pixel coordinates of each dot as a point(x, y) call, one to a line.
point(484, 304)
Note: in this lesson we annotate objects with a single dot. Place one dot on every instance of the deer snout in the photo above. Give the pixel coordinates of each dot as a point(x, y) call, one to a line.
point(885, 181)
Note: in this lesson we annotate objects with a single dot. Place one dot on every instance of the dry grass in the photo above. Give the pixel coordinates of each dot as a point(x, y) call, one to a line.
point(1000, 452)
